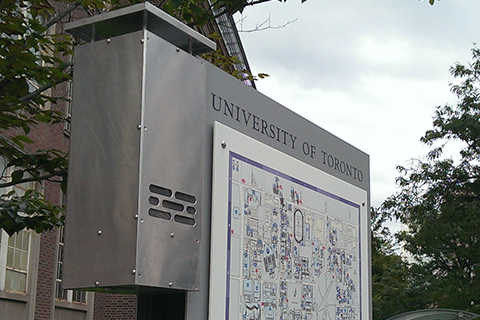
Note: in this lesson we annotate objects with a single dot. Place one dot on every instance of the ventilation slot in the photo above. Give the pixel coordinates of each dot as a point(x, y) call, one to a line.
point(185, 220)
point(153, 201)
point(185, 197)
point(159, 214)
point(172, 205)
point(160, 190)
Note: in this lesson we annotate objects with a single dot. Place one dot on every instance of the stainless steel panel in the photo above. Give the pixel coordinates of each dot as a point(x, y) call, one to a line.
point(104, 163)
point(173, 151)
point(137, 159)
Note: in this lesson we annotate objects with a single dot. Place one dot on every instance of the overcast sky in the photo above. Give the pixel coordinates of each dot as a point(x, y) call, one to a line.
point(371, 72)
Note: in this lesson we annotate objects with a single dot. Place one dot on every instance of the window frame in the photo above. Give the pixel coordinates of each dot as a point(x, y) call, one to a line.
point(4, 267)
point(5, 238)
point(65, 295)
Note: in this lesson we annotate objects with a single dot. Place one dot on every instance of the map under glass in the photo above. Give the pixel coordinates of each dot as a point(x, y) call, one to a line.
point(293, 251)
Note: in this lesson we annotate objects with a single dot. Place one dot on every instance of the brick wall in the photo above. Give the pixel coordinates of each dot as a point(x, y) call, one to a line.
point(119, 306)
point(99, 306)
point(114, 306)
point(46, 276)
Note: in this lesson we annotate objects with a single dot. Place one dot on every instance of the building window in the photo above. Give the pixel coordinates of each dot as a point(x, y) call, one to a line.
point(60, 293)
point(14, 261)
point(16, 266)
point(79, 296)
point(15, 249)
point(37, 51)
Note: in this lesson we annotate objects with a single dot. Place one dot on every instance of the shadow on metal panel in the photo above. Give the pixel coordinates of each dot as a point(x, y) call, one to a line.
point(436, 314)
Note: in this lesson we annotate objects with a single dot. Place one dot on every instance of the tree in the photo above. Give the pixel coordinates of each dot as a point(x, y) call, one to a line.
point(394, 289)
point(32, 62)
point(439, 199)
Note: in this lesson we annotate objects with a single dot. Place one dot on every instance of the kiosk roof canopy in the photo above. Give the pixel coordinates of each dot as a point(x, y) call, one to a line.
point(138, 17)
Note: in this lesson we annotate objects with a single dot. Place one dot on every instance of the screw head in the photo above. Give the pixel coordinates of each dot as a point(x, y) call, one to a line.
point(99, 232)
point(97, 283)
point(172, 235)
point(223, 144)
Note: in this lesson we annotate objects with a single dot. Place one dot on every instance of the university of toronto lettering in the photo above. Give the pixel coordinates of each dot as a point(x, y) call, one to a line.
point(253, 121)
point(342, 166)
point(272, 131)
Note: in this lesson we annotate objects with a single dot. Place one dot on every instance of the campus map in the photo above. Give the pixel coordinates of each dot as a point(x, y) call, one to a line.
point(293, 248)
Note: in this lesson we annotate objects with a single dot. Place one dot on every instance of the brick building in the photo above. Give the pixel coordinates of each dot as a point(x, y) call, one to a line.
point(31, 263)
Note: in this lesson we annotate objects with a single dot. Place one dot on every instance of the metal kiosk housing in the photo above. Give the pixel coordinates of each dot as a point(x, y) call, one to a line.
point(139, 192)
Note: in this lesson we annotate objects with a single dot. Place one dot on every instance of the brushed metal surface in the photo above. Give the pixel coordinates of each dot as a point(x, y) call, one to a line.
point(104, 163)
point(173, 152)
point(138, 122)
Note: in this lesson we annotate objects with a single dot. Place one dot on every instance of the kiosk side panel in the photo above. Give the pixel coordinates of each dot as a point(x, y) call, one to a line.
point(104, 163)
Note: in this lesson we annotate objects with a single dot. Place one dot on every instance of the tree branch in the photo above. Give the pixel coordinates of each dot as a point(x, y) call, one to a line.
point(267, 22)
point(61, 15)
point(34, 179)
point(43, 88)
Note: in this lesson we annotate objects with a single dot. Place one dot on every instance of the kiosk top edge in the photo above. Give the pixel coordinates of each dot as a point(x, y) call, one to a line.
point(138, 17)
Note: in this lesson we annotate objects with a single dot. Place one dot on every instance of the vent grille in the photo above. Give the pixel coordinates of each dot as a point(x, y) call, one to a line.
point(171, 205)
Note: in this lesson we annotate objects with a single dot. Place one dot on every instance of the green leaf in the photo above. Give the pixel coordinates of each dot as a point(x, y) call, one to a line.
point(177, 3)
point(24, 138)
point(20, 139)
point(17, 176)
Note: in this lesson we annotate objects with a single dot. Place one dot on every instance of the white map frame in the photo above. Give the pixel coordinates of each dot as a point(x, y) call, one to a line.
point(264, 267)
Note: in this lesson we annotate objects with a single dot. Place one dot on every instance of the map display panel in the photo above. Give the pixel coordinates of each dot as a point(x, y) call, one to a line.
point(292, 247)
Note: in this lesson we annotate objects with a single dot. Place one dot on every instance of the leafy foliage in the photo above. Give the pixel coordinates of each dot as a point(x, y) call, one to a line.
point(33, 61)
point(228, 63)
point(394, 287)
point(439, 199)
point(31, 211)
